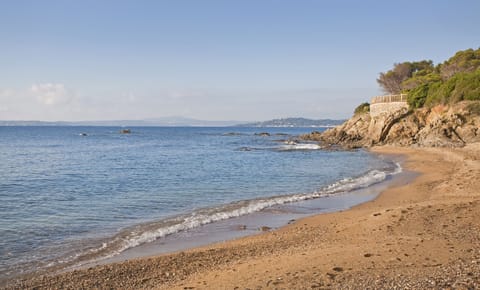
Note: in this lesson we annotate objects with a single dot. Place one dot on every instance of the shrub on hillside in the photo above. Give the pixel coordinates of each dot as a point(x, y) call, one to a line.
point(417, 97)
point(462, 86)
point(362, 108)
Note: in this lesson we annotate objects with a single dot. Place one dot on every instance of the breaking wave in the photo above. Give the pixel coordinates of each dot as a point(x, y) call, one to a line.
point(300, 146)
point(288, 146)
point(150, 232)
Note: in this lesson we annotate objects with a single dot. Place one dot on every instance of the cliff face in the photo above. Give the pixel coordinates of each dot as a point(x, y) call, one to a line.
point(440, 126)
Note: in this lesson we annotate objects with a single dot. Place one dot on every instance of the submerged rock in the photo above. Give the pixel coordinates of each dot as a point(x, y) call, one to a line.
point(265, 228)
point(245, 149)
point(232, 134)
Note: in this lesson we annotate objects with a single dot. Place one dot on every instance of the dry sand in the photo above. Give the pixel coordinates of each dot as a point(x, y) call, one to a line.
point(425, 234)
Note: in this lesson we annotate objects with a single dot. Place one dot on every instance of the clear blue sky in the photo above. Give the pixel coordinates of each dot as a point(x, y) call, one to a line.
point(214, 60)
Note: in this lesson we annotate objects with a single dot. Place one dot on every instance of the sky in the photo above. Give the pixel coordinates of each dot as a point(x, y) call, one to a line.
point(242, 60)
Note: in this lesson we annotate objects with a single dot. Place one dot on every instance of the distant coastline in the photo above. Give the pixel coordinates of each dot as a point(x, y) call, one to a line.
point(182, 122)
point(160, 122)
point(295, 122)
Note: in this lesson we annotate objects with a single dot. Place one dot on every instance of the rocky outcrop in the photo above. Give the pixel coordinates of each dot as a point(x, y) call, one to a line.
point(440, 126)
point(263, 134)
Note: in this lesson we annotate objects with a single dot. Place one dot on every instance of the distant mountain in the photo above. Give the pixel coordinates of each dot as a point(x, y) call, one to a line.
point(295, 122)
point(32, 123)
point(183, 122)
point(157, 122)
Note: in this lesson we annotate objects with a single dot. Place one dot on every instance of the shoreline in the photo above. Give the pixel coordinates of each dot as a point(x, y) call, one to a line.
point(228, 221)
point(255, 223)
point(371, 243)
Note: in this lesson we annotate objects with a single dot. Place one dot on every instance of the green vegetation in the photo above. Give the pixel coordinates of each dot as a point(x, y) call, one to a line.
point(418, 96)
point(362, 108)
point(455, 80)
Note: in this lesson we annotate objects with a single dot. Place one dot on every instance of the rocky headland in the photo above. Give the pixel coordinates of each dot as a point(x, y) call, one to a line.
point(439, 126)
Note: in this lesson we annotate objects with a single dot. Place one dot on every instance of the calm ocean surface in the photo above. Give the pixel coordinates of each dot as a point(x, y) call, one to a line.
point(66, 198)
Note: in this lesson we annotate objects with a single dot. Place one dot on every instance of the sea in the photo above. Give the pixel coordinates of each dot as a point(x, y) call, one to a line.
point(73, 196)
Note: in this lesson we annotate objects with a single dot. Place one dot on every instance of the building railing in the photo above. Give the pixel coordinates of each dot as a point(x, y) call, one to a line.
point(389, 99)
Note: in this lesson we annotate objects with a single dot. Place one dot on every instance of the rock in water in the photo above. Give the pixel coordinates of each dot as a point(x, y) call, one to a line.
point(263, 134)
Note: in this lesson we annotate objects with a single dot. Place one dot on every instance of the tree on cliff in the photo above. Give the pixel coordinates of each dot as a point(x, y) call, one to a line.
point(392, 80)
point(454, 80)
point(463, 61)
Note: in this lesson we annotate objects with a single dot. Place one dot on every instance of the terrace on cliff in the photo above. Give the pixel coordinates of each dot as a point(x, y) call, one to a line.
point(387, 104)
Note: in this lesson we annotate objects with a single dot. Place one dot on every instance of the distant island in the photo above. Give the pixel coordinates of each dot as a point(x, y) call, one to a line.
point(294, 122)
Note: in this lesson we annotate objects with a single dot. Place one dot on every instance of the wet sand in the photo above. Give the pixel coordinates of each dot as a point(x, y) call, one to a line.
point(424, 234)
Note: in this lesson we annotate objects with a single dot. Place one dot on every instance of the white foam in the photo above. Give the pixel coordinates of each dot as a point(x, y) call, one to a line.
point(207, 216)
point(398, 168)
point(301, 146)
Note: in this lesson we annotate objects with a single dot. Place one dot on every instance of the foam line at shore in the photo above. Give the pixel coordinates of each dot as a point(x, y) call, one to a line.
point(153, 231)
point(149, 232)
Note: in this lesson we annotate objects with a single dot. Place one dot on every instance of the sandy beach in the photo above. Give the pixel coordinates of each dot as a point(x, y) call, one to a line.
point(419, 235)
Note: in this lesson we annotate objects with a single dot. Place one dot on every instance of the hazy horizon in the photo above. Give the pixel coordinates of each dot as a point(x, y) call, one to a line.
point(172, 119)
point(214, 60)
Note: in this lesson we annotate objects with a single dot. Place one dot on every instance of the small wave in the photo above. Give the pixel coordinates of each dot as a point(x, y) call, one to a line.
point(145, 233)
point(151, 232)
point(289, 146)
point(349, 184)
point(300, 146)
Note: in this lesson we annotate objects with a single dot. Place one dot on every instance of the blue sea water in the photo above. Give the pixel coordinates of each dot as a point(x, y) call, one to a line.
point(66, 197)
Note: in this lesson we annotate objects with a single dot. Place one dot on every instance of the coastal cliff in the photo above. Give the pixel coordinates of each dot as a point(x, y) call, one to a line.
point(439, 126)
